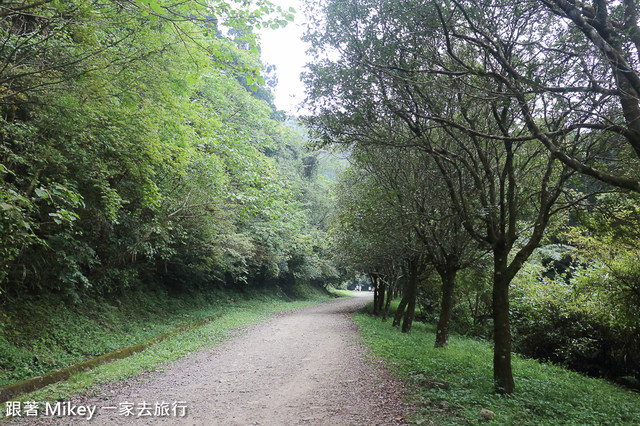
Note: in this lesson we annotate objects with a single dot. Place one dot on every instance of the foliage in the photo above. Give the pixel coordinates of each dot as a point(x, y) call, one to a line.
point(607, 242)
point(130, 152)
point(393, 86)
point(472, 312)
point(578, 305)
point(366, 231)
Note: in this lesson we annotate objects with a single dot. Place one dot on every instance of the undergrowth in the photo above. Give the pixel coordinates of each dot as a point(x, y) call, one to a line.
point(451, 385)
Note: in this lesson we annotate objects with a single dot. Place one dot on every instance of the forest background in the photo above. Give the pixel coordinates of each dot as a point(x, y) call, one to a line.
point(142, 159)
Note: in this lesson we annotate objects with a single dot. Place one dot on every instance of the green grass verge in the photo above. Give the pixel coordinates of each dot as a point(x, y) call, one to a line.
point(245, 312)
point(451, 385)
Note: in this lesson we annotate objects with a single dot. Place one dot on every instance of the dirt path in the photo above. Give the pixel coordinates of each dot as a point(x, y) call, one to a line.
point(304, 367)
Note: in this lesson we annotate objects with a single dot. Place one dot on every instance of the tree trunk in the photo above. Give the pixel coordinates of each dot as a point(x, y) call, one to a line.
point(446, 307)
point(411, 293)
point(403, 303)
point(630, 109)
point(376, 292)
point(502, 373)
point(390, 292)
point(383, 289)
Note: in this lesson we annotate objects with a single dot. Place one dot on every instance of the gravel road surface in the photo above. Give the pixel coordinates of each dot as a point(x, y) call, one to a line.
point(305, 367)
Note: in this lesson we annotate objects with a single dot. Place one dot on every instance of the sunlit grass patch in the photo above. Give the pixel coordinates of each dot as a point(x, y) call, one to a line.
point(343, 293)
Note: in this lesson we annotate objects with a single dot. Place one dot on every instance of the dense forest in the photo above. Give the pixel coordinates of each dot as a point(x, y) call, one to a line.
point(493, 184)
point(140, 143)
point(494, 176)
point(140, 149)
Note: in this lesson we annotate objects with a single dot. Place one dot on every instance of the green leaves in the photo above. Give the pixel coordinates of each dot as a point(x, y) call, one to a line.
point(155, 155)
point(42, 193)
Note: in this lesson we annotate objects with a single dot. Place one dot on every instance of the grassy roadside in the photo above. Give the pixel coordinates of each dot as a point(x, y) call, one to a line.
point(232, 310)
point(452, 385)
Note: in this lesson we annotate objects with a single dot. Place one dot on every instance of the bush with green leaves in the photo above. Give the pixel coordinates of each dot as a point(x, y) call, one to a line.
point(576, 320)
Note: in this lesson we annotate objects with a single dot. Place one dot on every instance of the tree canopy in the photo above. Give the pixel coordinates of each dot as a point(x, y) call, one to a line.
point(138, 144)
point(525, 109)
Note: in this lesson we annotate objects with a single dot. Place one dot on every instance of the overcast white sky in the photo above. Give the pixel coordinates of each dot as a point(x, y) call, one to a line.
point(284, 49)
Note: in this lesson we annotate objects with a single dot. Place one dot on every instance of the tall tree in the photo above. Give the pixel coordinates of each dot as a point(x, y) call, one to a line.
point(413, 185)
point(504, 186)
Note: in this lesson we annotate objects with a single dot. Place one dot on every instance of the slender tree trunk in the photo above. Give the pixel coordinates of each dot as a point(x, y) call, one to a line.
point(446, 307)
point(390, 292)
point(376, 292)
point(400, 311)
point(411, 294)
point(403, 302)
point(631, 111)
point(383, 289)
point(502, 373)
